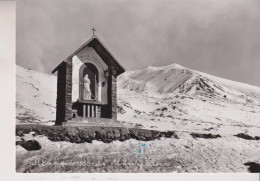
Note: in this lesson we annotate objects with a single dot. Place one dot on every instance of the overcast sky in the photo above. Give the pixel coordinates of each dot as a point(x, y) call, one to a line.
point(219, 37)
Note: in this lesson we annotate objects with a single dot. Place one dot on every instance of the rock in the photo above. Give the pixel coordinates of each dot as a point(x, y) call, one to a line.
point(110, 136)
point(71, 133)
point(101, 135)
point(85, 137)
point(73, 136)
point(171, 134)
point(134, 134)
point(164, 109)
point(125, 133)
point(148, 135)
point(19, 133)
point(207, 136)
point(82, 134)
point(116, 133)
point(64, 138)
point(120, 110)
point(75, 139)
point(122, 138)
point(29, 145)
point(253, 167)
point(156, 135)
point(92, 134)
point(244, 136)
point(138, 125)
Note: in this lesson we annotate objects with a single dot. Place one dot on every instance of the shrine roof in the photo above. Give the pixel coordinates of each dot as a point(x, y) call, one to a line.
point(101, 50)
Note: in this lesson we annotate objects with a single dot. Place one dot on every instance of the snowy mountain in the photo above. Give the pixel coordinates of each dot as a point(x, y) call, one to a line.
point(161, 98)
point(175, 97)
point(177, 79)
point(169, 97)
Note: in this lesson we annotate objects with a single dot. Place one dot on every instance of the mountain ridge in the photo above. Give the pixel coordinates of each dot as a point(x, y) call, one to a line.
point(175, 78)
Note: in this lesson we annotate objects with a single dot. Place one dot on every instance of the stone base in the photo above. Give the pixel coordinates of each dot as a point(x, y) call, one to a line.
point(96, 122)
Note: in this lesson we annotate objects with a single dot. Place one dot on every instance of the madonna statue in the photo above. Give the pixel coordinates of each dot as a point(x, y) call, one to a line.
point(87, 91)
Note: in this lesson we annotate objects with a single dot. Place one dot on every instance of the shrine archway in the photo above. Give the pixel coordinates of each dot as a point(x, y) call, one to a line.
point(92, 72)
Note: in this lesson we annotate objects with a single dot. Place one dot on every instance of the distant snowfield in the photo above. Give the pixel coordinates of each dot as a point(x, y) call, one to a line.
point(162, 98)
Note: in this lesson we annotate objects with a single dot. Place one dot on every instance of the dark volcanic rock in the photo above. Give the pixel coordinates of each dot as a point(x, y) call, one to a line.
point(116, 134)
point(171, 134)
point(73, 136)
point(85, 137)
point(80, 134)
point(206, 136)
point(247, 137)
point(101, 135)
point(62, 137)
point(253, 167)
point(29, 145)
point(110, 134)
point(124, 134)
point(19, 133)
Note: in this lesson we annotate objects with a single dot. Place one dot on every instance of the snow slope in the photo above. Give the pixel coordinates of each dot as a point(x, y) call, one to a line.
point(35, 96)
point(162, 98)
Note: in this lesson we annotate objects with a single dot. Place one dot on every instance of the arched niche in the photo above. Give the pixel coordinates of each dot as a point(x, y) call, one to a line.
point(93, 75)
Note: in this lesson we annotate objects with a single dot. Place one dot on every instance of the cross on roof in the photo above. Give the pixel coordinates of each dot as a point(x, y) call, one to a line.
point(93, 29)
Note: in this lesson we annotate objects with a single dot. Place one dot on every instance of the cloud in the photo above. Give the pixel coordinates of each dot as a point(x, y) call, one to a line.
point(219, 37)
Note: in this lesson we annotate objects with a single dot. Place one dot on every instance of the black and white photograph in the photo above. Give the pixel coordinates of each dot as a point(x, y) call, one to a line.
point(137, 86)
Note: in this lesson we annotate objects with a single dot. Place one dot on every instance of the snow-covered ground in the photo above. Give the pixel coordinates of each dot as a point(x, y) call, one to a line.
point(226, 154)
point(162, 98)
point(35, 96)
